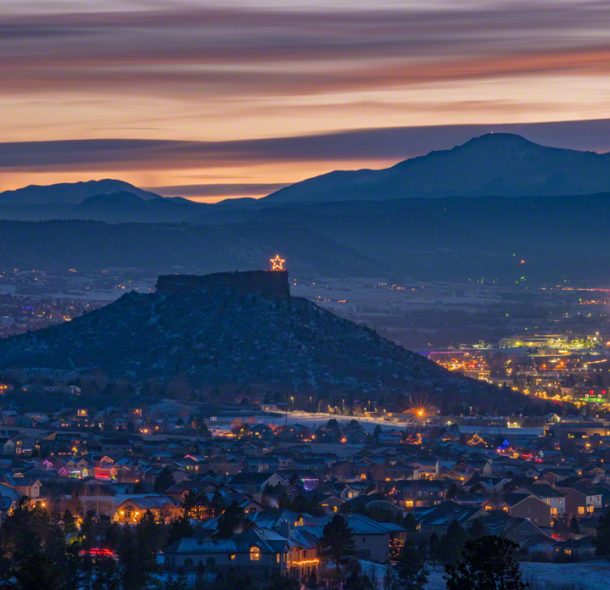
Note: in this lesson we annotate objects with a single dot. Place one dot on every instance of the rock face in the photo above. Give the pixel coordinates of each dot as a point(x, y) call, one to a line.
point(272, 285)
point(242, 333)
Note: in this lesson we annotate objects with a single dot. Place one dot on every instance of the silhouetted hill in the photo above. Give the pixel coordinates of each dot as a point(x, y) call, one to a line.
point(128, 207)
point(495, 164)
point(69, 193)
point(468, 238)
point(162, 248)
point(244, 334)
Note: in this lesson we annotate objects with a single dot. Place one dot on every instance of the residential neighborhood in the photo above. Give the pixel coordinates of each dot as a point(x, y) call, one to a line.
point(258, 495)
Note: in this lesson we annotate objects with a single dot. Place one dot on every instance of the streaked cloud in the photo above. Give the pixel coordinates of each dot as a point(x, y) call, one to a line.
point(326, 151)
point(250, 92)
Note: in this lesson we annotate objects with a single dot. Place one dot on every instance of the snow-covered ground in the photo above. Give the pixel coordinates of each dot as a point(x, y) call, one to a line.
point(588, 575)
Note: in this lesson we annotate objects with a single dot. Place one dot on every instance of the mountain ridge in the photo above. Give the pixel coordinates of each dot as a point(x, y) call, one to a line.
point(70, 193)
point(493, 164)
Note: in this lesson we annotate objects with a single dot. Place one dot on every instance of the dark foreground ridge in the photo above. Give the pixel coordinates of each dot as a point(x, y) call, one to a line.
point(243, 334)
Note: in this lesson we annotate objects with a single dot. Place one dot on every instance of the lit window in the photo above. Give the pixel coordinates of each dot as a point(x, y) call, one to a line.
point(232, 556)
point(255, 553)
point(581, 510)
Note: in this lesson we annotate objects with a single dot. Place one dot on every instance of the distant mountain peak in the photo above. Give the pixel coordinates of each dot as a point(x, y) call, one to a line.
point(493, 164)
point(70, 193)
point(498, 139)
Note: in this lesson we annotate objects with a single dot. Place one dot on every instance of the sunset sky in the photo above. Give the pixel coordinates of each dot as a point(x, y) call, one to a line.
point(210, 98)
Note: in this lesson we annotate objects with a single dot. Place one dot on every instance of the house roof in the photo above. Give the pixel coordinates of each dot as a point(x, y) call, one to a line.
point(446, 512)
point(149, 502)
point(250, 478)
point(362, 525)
point(267, 540)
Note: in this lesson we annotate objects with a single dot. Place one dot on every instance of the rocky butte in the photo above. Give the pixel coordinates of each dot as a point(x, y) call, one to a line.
point(242, 335)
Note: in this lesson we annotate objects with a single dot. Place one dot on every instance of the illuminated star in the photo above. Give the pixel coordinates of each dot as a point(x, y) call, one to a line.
point(277, 263)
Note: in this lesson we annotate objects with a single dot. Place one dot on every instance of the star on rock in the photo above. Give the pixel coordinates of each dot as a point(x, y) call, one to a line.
point(277, 263)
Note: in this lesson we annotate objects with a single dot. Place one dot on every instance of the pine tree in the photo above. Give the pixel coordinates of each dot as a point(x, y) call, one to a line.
point(410, 523)
point(602, 536)
point(452, 543)
point(164, 480)
point(411, 568)
point(337, 542)
point(478, 530)
point(488, 563)
point(434, 551)
point(38, 571)
point(177, 583)
point(33, 551)
point(230, 520)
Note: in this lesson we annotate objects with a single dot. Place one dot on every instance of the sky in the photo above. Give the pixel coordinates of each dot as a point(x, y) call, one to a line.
point(211, 99)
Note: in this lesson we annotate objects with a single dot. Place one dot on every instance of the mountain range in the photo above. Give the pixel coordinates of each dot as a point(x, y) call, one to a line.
point(497, 207)
point(496, 164)
point(243, 335)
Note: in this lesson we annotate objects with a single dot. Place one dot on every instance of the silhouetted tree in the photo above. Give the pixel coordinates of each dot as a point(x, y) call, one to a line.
point(279, 582)
point(164, 480)
point(179, 529)
point(411, 568)
point(410, 523)
point(478, 530)
point(33, 551)
point(488, 563)
point(337, 542)
point(230, 520)
point(602, 536)
point(452, 543)
point(434, 548)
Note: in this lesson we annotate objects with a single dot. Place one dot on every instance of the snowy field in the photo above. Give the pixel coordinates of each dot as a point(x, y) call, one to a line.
point(590, 575)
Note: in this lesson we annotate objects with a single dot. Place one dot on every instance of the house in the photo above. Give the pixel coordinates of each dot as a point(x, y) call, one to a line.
point(7, 445)
point(254, 484)
point(259, 551)
point(426, 470)
point(517, 530)
point(582, 500)
point(25, 445)
point(331, 503)
point(522, 505)
point(354, 489)
point(118, 446)
point(24, 485)
point(552, 496)
point(303, 558)
point(132, 509)
point(438, 518)
point(372, 539)
point(574, 549)
point(419, 493)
